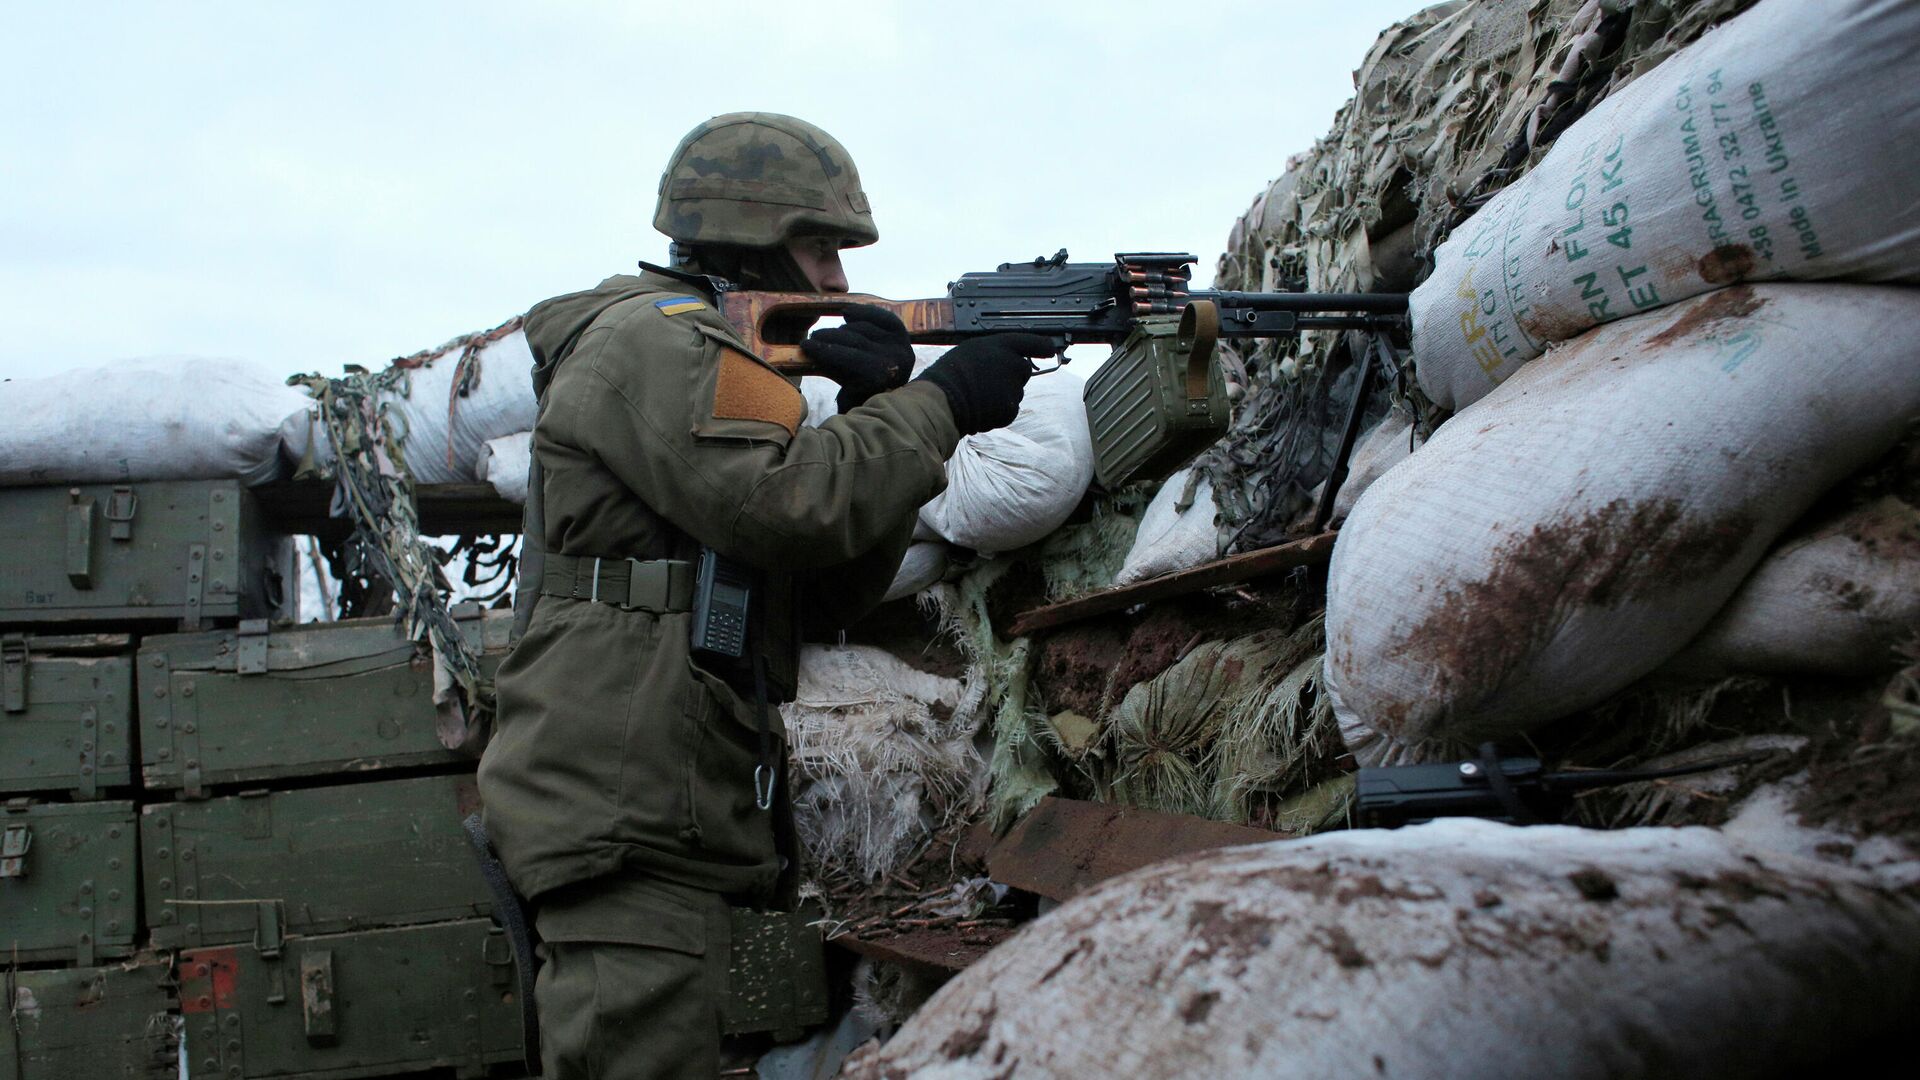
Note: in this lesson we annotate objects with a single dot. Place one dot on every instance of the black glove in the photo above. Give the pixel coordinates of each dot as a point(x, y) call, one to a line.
point(984, 378)
point(870, 354)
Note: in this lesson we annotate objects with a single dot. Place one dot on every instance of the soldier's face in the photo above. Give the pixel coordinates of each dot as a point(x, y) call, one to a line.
point(819, 259)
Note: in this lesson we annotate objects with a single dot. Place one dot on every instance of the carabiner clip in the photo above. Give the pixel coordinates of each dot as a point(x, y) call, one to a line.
point(763, 786)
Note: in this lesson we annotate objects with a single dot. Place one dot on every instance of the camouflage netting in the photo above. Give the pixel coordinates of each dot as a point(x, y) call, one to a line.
point(1450, 106)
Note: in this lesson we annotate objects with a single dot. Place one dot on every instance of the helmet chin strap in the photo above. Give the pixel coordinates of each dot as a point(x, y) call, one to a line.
point(771, 269)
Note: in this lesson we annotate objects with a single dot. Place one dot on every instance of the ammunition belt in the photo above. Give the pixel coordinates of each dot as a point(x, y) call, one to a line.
point(661, 586)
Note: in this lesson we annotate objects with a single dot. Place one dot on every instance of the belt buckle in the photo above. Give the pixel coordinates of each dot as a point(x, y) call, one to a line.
point(633, 582)
point(593, 591)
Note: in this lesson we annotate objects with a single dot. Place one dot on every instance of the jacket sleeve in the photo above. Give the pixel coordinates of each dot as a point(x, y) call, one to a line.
point(839, 596)
point(699, 433)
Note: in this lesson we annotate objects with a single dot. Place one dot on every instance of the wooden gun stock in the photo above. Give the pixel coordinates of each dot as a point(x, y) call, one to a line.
point(774, 323)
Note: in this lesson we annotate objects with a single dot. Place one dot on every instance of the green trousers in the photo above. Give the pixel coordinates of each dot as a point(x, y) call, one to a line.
point(634, 979)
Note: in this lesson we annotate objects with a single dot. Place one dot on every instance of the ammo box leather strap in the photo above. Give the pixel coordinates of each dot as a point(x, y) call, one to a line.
point(662, 586)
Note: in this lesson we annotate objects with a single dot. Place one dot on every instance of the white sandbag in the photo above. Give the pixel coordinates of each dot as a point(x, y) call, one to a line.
point(923, 566)
point(1457, 949)
point(451, 402)
point(1390, 442)
point(1011, 486)
point(1779, 146)
point(1174, 534)
point(1008, 487)
point(505, 463)
point(157, 419)
point(1575, 528)
point(822, 396)
point(1833, 601)
point(881, 753)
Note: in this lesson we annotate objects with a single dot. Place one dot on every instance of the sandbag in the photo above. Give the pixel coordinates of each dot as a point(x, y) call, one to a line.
point(1779, 146)
point(1574, 529)
point(1456, 949)
point(1008, 487)
point(924, 564)
point(1834, 600)
point(880, 753)
point(447, 404)
point(1176, 532)
point(1390, 442)
point(505, 463)
point(1011, 486)
point(156, 419)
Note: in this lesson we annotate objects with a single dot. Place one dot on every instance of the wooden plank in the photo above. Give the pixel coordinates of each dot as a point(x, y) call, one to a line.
point(445, 509)
point(1063, 846)
point(1246, 566)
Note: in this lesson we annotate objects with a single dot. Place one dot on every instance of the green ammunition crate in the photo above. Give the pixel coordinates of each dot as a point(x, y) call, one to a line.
point(372, 1003)
point(1145, 406)
point(99, 1023)
point(67, 880)
point(272, 703)
point(66, 713)
point(191, 551)
point(317, 861)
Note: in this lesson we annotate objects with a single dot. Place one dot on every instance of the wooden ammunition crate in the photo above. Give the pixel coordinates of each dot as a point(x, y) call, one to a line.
point(66, 713)
point(96, 1023)
point(372, 1003)
point(270, 703)
point(189, 552)
point(320, 860)
point(67, 881)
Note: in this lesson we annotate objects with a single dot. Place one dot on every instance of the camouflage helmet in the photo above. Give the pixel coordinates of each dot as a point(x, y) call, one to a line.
point(756, 179)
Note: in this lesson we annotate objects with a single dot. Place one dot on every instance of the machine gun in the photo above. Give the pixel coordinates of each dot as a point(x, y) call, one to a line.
point(1067, 301)
point(1516, 790)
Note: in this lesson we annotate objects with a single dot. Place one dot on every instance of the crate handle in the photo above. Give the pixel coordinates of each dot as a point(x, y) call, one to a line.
point(83, 517)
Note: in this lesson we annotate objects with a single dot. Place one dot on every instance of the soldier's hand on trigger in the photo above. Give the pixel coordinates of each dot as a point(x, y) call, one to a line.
point(870, 354)
point(985, 378)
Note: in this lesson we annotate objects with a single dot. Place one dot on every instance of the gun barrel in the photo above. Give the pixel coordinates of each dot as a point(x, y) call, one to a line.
point(1382, 303)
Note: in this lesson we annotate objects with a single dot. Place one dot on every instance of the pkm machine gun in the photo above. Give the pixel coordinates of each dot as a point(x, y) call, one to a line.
point(1068, 301)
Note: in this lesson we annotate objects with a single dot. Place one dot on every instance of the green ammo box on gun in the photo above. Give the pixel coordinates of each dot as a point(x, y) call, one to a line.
point(1156, 402)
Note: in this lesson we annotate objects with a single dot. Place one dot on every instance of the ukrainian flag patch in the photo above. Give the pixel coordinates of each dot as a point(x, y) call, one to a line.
point(675, 305)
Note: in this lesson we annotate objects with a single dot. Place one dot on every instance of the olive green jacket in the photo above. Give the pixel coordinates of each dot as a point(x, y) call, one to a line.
point(657, 434)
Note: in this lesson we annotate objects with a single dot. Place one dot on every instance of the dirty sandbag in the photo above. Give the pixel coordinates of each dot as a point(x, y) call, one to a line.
point(505, 463)
point(1777, 147)
point(881, 755)
point(443, 404)
point(1574, 529)
point(154, 419)
point(1390, 442)
point(1176, 532)
point(1837, 599)
point(923, 566)
point(1640, 952)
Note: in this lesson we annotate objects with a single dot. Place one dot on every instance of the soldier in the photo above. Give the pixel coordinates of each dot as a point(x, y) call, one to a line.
point(630, 788)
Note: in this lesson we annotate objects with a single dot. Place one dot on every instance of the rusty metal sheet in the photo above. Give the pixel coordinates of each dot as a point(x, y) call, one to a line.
point(1063, 846)
point(943, 950)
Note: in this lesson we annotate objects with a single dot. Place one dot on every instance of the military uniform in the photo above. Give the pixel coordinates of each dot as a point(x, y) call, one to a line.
point(621, 785)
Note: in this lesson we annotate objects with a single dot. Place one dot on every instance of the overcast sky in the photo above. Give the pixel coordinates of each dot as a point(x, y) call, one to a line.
point(303, 186)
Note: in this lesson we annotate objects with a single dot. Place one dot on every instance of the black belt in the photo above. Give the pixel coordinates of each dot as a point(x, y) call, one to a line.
point(661, 586)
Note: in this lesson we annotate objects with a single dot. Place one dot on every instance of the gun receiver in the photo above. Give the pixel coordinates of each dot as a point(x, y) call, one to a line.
point(1069, 302)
